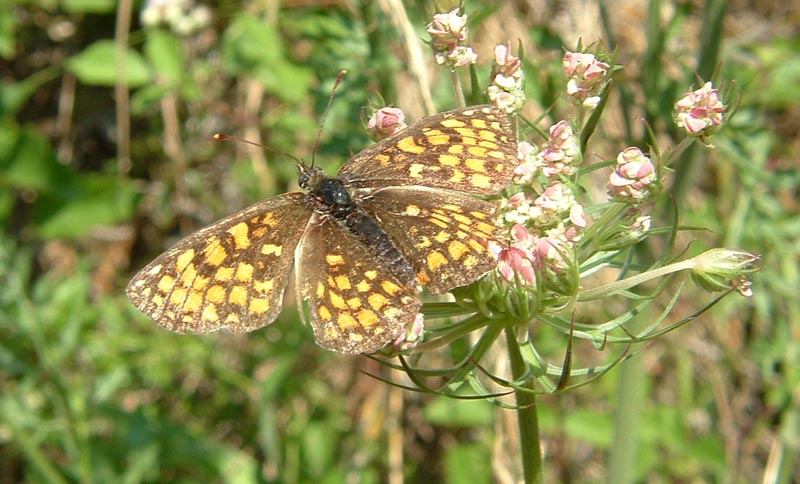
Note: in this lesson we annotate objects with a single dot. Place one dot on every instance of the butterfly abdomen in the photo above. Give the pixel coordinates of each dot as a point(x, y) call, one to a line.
point(334, 199)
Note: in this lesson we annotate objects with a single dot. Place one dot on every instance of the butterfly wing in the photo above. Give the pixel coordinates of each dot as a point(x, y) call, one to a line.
point(355, 304)
point(442, 233)
point(228, 276)
point(470, 150)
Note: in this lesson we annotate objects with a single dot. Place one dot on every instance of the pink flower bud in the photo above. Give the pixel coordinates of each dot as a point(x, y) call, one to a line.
point(386, 122)
point(632, 179)
point(700, 112)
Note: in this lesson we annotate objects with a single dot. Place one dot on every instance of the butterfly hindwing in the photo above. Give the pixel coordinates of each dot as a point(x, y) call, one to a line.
point(355, 304)
point(443, 234)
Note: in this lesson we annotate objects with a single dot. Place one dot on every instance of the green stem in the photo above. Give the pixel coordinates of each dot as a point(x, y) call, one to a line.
point(528, 419)
point(457, 89)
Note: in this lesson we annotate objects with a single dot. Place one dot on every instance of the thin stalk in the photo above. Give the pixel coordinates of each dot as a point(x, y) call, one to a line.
point(528, 419)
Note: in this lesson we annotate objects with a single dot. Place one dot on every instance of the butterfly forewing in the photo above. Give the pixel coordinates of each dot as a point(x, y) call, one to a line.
point(230, 275)
point(355, 304)
point(469, 150)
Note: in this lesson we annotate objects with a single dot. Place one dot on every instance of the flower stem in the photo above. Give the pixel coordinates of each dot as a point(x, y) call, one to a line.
point(527, 417)
point(457, 89)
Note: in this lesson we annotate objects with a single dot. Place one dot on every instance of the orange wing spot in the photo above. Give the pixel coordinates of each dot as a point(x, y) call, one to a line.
point(166, 283)
point(412, 210)
point(241, 235)
point(238, 296)
point(183, 260)
point(264, 287)
point(462, 218)
point(478, 215)
point(345, 321)
point(224, 274)
point(449, 160)
point(215, 294)
point(157, 300)
point(188, 275)
point(153, 271)
point(232, 319)
point(453, 123)
point(485, 228)
point(272, 249)
point(244, 272)
point(334, 259)
point(259, 305)
point(383, 159)
point(324, 313)
point(259, 232)
point(455, 149)
point(409, 145)
point(437, 138)
point(209, 313)
point(488, 136)
point(337, 301)
point(439, 223)
point(457, 249)
point(390, 288)
point(478, 123)
point(499, 155)
point(458, 176)
point(436, 260)
point(476, 245)
point(476, 151)
point(178, 296)
point(354, 303)
point(200, 283)
point(320, 289)
point(480, 181)
point(424, 242)
point(215, 253)
point(461, 234)
point(423, 278)
point(377, 301)
point(342, 282)
point(371, 275)
point(467, 133)
point(363, 286)
point(442, 237)
point(367, 318)
point(269, 220)
point(470, 261)
point(193, 302)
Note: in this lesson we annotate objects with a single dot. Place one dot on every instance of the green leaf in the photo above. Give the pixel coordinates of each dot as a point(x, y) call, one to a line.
point(103, 200)
point(96, 65)
point(27, 161)
point(252, 47)
point(468, 463)
point(459, 413)
point(163, 50)
point(89, 6)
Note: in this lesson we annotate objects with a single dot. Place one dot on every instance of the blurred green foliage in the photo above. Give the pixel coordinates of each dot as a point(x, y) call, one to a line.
point(92, 391)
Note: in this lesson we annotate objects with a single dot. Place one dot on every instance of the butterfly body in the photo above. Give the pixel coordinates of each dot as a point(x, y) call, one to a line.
point(400, 215)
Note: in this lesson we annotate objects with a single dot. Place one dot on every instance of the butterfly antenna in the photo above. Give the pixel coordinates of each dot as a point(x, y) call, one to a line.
point(228, 137)
point(336, 84)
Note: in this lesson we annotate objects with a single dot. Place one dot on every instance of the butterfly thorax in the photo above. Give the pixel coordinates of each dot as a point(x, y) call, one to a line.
point(334, 199)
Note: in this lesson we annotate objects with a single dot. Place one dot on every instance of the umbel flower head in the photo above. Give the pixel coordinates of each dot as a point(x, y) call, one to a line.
point(385, 122)
point(506, 86)
point(448, 33)
point(700, 112)
point(634, 178)
point(586, 76)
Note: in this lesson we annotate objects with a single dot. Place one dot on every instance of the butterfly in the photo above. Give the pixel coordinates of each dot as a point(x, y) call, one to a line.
point(399, 216)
